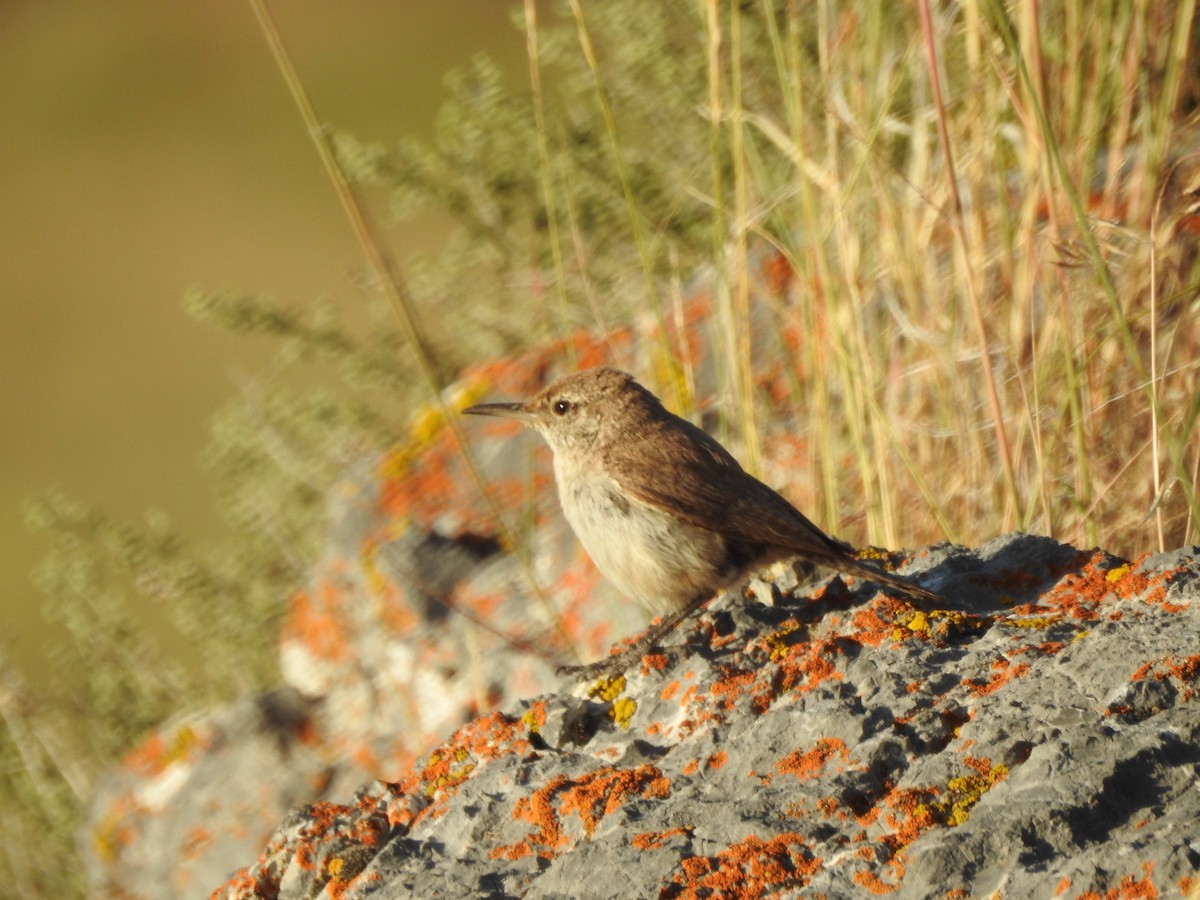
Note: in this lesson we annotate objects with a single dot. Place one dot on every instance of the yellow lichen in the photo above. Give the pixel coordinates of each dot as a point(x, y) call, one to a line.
point(450, 778)
point(777, 643)
point(107, 840)
point(1116, 574)
point(964, 792)
point(182, 743)
point(607, 689)
point(468, 393)
point(937, 623)
point(622, 711)
point(425, 424)
point(876, 554)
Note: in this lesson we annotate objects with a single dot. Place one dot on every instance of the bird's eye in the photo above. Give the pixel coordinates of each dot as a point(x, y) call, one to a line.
point(562, 407)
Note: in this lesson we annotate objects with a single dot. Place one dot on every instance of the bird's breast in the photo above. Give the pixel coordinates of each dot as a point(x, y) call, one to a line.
point(657, 559)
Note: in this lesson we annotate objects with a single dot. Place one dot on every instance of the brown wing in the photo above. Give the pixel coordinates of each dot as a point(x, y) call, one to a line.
point(681, 468)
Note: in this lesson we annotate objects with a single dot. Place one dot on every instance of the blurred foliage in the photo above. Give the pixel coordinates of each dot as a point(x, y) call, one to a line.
point(816, 141)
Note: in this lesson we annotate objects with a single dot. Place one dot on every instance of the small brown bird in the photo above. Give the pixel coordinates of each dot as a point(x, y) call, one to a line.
point(664, 510)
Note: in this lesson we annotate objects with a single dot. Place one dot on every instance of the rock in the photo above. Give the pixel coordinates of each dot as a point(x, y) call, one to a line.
point(410, 624)
point(204, 788)
point(1040, 736)
point(807, 741)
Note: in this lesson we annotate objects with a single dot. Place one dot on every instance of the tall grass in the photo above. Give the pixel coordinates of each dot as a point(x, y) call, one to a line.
point(981, 208)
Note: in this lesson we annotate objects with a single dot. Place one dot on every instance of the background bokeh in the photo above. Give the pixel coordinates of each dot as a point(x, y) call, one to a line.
point(150, 147)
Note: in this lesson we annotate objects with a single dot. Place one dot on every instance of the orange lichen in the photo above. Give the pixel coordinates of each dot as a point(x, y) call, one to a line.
point(805, 765)
point(749, 869)
point(1186, 670)
point(1005, 672)
point(655, 840)
point(980, 764)
point(874, 624)
point(424, 792)
point(242, 884)
point(315, 620)
point(591, 797)
point(1130, 888)
point(196, 841)
point(535, 717)
point(872, 883)
point(733, 686)
point(830, 807)
point(327, 827)
point(1129, 582)
point(911, 814)
point(538, 809)
point(654, 662)
point(165, 748)
point(601, 793)
point(1142, 671)
point(717, 760)
point(1083, 587)
point(805, 667)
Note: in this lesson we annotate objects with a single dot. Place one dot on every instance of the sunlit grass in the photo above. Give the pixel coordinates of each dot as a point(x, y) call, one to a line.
point(983, 239)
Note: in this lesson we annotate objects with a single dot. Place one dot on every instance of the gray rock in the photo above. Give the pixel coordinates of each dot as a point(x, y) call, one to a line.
point(204, 788)
point(1038, 737)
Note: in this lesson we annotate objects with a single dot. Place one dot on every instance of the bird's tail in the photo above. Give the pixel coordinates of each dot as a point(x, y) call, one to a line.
point(905, 585)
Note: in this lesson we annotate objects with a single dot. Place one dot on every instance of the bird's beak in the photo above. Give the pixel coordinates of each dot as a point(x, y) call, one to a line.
point(501, 410)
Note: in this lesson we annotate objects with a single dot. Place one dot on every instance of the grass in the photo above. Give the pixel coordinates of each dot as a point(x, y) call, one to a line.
point(983, 219)
point(984, 214)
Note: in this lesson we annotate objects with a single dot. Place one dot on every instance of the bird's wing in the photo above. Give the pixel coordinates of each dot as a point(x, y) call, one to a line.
point(681, 468)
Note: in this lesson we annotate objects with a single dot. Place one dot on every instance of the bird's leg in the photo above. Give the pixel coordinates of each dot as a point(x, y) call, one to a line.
point(619, 662)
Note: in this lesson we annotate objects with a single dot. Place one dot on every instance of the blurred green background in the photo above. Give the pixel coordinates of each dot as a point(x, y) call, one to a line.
point(150, 147)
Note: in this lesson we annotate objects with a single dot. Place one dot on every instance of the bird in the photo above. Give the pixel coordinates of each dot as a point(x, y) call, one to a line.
point(666, 513)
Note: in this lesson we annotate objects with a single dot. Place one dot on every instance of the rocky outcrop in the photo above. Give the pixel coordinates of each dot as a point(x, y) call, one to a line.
point(1039, 737)
point(411, 623)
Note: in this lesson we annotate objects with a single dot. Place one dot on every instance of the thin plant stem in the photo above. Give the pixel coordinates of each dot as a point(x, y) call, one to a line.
point(392, 284)
point(958, 226)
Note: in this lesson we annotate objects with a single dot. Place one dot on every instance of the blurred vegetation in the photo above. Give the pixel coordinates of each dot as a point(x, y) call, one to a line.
point(1000, 337)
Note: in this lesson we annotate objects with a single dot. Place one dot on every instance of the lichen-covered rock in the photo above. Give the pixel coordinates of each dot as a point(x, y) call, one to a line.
point(203, 789)
point(415, 619)
point(1039, 737)
point(1035, 737)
